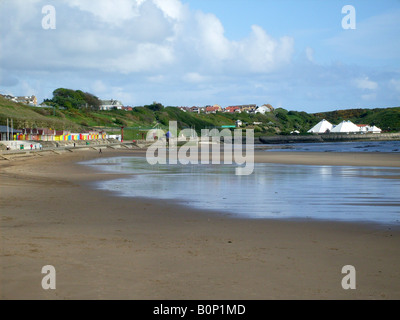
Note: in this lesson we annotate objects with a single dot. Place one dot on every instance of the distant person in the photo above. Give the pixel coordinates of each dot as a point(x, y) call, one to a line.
point(8, 148)
point(31, 146)
point(74, 144)
point(40, 146)
point(168, 136)
point(101, 151)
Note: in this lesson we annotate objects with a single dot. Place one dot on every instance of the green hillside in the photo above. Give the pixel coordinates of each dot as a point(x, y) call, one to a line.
point(70, 110)
point(149, 116)
point(29, 117)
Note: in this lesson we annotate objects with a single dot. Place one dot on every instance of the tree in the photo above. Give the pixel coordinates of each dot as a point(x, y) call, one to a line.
point(155, 106)
point(72, 99)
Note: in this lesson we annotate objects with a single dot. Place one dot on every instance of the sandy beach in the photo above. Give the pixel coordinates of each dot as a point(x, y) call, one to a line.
point(104, 247)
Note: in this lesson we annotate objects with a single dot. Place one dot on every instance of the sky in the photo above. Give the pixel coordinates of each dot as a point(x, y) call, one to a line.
point(295, 54)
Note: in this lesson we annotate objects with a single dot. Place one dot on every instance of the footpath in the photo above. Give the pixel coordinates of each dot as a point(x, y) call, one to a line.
point(43, 148)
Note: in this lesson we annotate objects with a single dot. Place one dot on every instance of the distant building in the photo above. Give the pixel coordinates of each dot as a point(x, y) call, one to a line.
point(233, 110)
point(374, 129)
point(266, 108)
point(364, 128)
point(323, 126)
point(194, 109)
point(28, 100)
point(245, 108)
point(111, 105)
point(214, 109)
point(345, 127)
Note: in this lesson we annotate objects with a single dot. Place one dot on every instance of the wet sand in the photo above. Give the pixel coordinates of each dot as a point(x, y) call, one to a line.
point(105, 247)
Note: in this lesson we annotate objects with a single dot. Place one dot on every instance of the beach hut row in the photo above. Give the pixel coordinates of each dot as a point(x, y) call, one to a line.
point(345, 126)
point(63, 137)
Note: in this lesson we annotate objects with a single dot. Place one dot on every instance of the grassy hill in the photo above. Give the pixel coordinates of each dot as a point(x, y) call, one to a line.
point(29, 117)
point(280, 121)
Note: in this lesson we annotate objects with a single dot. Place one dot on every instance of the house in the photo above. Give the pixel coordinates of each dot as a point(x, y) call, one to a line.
point(245, 108)
point(323, 126)
point(266, 108)
point(110, 105)
point(233, 110)
point(214, 109)
point(28, 100)
point(194, 109)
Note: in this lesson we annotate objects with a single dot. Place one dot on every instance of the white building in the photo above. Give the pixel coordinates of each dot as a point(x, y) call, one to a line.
point(346, 127)
point(110, 105)
point(266, 108)
point(373, 129)
point(323, 126)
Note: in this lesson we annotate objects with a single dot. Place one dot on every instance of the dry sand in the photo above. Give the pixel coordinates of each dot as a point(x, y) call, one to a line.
point(105, 247)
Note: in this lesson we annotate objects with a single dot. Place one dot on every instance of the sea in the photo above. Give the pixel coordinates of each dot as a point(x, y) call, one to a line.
point(360, 146)
point(273, 191)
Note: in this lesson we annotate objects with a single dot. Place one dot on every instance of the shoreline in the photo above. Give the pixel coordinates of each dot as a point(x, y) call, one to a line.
point(105, 247)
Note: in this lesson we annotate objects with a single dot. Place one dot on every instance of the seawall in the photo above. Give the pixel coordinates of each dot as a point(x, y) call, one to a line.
point(328, 138)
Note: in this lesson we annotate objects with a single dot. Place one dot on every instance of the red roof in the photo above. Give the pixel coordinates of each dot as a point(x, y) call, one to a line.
point(232, 109)
point(211, 109)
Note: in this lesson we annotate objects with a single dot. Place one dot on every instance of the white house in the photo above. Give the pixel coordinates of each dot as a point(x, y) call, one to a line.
point(323, 126)
point(110, 105)
point(266, 108)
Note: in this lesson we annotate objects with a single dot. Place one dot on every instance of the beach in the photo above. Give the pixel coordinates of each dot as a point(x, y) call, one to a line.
point(107, 247)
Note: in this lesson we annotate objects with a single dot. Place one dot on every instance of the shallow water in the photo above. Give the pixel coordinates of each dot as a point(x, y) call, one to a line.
point(274, 191)
point(360, 146)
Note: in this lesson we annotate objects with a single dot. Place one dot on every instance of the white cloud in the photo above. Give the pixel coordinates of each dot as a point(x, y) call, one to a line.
point(136, 36)
point(369, 97)
point(310, 54)
point(209, 37)
point(262, 53)
point(145, 57)
point(395, 84)
point(194, 77)
point(113, 12)
point(163, 50)
point(365, 84)
point(172, 8)
point(99, 87)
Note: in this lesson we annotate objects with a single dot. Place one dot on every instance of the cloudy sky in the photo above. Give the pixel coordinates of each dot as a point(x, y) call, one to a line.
point(289, 53)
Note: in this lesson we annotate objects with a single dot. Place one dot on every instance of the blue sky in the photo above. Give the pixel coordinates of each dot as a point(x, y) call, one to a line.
point(289, 53)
